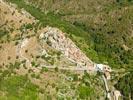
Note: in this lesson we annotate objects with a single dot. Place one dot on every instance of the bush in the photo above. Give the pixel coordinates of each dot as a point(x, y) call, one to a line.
point(85, 92)
point(3, 33)
point(44, 69)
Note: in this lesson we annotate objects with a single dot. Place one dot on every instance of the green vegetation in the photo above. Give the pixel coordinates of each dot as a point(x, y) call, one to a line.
point(124, 1)
point(3, 33)
point(49, 59)
point(4, 36)
point(26, 27)
point(18, 88)
point(53, 20)
point(11, 67)
point(33, 63)
point(85, 92)
point(106, 31)
point(102, 41)
point(87, 89)
point(101, 28)
point(125, 85)
point(44, 69)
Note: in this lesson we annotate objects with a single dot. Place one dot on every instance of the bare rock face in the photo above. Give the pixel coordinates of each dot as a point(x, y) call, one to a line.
point(59, 41)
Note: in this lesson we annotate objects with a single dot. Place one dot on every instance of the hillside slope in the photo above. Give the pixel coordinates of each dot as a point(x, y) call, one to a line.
point(94, 26)
point(28, 56)
point(109, 23)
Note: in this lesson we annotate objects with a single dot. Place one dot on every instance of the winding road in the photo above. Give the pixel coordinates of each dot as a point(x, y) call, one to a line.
point(24, 42)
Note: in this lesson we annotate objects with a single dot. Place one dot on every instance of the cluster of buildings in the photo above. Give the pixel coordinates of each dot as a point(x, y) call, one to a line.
point(59, 41)
point(105, 69)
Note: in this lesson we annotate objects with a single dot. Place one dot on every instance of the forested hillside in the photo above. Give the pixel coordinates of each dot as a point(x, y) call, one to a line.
point(127, 90)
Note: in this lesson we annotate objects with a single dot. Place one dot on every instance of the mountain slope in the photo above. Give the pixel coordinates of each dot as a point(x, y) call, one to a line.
point(113, 48)
point(108, 24)
point(26, 57)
